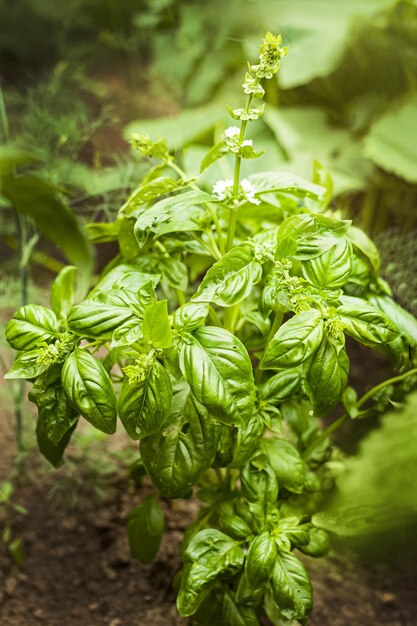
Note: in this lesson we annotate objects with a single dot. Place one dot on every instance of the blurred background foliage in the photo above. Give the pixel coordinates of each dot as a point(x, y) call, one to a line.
point(78, 78)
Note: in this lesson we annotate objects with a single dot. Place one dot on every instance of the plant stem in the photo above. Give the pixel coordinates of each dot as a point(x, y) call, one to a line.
point(214, 317)
point(279, 316)
point(385, 383)
point(343, 418)
point(21, 227)
point(230, 317)
point(4, 122)
point(236, 179)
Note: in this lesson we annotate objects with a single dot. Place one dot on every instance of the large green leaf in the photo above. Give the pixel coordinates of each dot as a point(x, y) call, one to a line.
point(178, 213)
point(365, 323)
point(88, 386)
point(284, 182)
point(332, 268)
point(231, 279)
point(209, 554)
point(28, 365)
point(295, 341)
point(145, 528)
point(218, 369)
point(312, 235)
point(144, 406)
point(42, 202)
point(177, 456)
point(292, 587)
point(391, 144)
point(260, 559)
point(54, 409)
point(109, 311)
point(156, 327)
point(30, 326)
point(327, 376)
point(287, 464)
point(235, 614)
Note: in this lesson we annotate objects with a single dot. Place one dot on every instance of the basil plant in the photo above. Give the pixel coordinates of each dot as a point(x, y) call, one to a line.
point(217, 337)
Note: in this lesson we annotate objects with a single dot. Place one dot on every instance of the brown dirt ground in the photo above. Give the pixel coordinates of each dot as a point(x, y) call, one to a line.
point(77, 570)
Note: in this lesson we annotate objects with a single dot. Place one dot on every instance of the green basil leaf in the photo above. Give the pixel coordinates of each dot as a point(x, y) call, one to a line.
point(53, 452)
point(246, 593)
point(235, 614)
point(100, 319)
point(218, 369)
point(56, 414)
point(191, 316)
point(283, 182)
point(331, 269)
point(147, 192)
point(247, 441)
point(280, 386)
point(125, 276)
point(235, 526)
point(182, 452)
point(88, 386)
point(314, 234)
point(27, 366)
point(292, 587)
point(156, 327)
point(215, 153)
point(108, 311)
point(295, 341)
point(145, 528)
point(31, 325)
point(365, 323)
point(404, 321)
point(177, 213)
point(62, 292)
point(103, 232)
point(287, 464)
point(260, 559)
point(126, 334)
point(174, 272)
point(209, 554)
point(327, 376)
point(259, 487)
point(361, 241)
point(143, 407)
point(231, 279)
point(318, 544)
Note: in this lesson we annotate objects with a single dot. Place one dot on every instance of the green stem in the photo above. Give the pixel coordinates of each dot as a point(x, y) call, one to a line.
point(230, 317)
point(344, 418)
point(385, 383)
point(279, 316)
point(214, 317)
point(4, 122)
point(236, 179)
